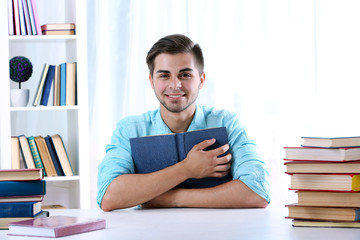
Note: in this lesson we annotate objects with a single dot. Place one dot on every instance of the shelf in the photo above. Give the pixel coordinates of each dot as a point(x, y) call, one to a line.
point(41, 37)
point(43, 108)
point(62, 178)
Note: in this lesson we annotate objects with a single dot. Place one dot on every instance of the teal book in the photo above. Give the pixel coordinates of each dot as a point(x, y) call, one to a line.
point(19, 209)
point(22, 188)
point(153, 153)
point(63, 84)
point(35, 153)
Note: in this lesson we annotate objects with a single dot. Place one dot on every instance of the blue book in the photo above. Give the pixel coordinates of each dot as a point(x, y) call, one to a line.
point(19, 209)
point(47, 86)
point(22, 188)
point(54, 156)
point(153, 153)
point(63, 84)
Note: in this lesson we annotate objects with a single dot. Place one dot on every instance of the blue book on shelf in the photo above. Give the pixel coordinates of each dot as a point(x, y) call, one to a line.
point(47, 86)
point(54, 156)
point(153, 153)
point(22, 188)
point(63, 84)
point(19, 209)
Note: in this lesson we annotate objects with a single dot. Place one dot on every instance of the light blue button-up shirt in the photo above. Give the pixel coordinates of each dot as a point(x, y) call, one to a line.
point(247, 165)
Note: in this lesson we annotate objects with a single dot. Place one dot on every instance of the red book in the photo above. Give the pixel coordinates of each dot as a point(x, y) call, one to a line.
point(55, 226)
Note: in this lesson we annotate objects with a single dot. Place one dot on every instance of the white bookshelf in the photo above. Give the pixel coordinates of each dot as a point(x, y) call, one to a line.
point(70, 122)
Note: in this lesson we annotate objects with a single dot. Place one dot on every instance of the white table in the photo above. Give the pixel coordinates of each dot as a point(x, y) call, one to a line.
point(187, 224)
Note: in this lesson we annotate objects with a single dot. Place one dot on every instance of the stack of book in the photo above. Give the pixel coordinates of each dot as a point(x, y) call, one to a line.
point(325, 172)
point(47, 152)
point(62, 80)
point(21, 194)
point(58, 29)
point(23, 18)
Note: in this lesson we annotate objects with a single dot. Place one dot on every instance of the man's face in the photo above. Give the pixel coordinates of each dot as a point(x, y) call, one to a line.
point(176, 81)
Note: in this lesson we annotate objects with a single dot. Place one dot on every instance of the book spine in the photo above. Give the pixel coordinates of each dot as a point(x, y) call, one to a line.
point(36, 17)
point(22, 18)
point(26, 152)
point(54, 156)
point(31, 16)
point(45, 156)
point(180, 146)
point(70, 83)
point(16, 17)
point(35, 153)
point(62, 155)
point(63, 84)
point(10, 18)
point(22, 188)
point(47, 85)
point(15, 153)
point(56, 92)
point(17, 209)
point(27, 18)
point(41, 85)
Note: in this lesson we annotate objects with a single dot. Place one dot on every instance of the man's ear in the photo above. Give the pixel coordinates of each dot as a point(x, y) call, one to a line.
point(151, 81)
point(202, 80)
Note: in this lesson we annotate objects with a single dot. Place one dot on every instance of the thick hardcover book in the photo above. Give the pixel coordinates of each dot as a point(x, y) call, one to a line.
point(31, 198)
point(58, 32)
point(328, 199)
point(22, 188)
point(63, 84)
point(322, 167)
point(153, 153)
point(62, 155)
point(331, 142)
point(15, 152)
point(19, 209)
point(322, 154)
point(341, 182)
point(55, 226)
point(45, 156)
point(70, 84)
point(54, 156)
point(322, 224)
point(35, 153)
point(4, 222)
point(26, 152)
point(47, 86)
point(21, 174)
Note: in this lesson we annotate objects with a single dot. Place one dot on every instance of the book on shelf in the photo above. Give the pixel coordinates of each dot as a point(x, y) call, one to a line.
point(31, 198)
point(26, 152)
point(58, 32)
point(27, 18)
point(322, 154)
point(36, 17)
point(19, 209)
point(15, 153)
point(331, 142)
point(56, 94)
point(31, 17)
point(322, 167)
point(55, 226)
point(62, 155)
point(22, 18)
point(323, 213)
point(4, 222)
point(22, 188)
point(45, 156)
point(330, 224)
point(41, 85)
point(47, 85)
point(58, 26)
point(153, 153)
point(35, 153)
point(325, 182)
point(70, 84)
point(54, 156)
point(63, 84)
point(328, 199)
point(21, 174)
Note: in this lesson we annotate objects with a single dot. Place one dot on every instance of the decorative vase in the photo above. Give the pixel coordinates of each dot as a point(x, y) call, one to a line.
point(19, 97)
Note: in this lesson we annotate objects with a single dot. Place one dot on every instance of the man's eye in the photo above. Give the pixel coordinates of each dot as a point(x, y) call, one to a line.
point(164, 76)
point(185, 75)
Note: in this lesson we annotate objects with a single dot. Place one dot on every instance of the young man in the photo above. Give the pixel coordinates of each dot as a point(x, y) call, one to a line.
point(176, 74)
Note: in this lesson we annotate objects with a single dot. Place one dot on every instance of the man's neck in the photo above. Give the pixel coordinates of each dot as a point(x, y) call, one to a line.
point(178, 122)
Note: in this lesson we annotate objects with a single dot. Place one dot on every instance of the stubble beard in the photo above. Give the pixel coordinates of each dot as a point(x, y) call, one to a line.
point(177, 107)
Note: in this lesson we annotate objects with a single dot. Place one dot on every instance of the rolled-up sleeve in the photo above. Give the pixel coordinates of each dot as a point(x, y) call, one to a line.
point(117, 161)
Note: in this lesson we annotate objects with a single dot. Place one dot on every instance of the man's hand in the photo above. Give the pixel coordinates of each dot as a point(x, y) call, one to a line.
point(200, 164)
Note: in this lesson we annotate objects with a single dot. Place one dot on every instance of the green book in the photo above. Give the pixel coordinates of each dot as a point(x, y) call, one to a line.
point(35, 153)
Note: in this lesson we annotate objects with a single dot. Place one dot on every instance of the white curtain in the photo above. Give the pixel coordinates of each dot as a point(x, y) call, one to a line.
point(289, 68)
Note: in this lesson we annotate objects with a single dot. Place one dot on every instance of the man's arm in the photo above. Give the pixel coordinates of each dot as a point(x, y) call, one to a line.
point(233, 194)
point(133, 189)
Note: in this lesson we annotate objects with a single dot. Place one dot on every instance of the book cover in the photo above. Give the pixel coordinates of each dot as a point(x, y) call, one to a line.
point(331, 142)
point(63, 84)
point(56, 94)
point(31, 17)
point(322, 167)
point(58, 26)
point(21, 174)
point(55, 226)
point(153, 153)
point(62, 154)
point(41, 85)
point(36, 17)
point(22, 188)
point(35, 153)
point(26, 17)
point(15, 153)
point(54, 156)
point(70, 83)
point(323, 213)
point(26, 152)
point(322, 154)
point(328, 199)
point(22, 18)
point(47, 85)
point(4, 222)
point(325, 182)
point(45, 156)
point(19, 209)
